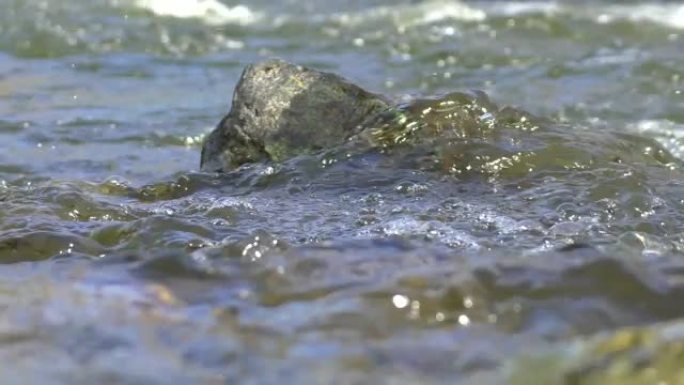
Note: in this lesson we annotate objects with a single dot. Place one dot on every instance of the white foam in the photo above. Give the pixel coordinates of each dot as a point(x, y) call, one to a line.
point(211, 12)
point(439, 11)
point(670, 15)
point(408, 226)
point(415, 14)
point(516, 8)
point(214, 12)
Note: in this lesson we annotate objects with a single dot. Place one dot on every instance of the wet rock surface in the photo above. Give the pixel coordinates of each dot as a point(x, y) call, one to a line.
point(280, 109)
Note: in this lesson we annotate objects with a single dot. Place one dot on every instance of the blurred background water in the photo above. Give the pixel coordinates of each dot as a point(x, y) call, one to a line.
point(557, 262)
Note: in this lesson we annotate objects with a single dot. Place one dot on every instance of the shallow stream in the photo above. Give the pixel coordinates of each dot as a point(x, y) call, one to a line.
point(537, 237)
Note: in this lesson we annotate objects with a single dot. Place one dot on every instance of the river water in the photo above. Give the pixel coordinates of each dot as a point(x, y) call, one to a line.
point(540, 240)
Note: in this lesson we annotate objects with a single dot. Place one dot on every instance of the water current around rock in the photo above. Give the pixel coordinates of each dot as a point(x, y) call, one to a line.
point(520, 221)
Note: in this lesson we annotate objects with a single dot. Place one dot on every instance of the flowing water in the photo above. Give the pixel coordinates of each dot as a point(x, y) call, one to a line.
point(523, 224)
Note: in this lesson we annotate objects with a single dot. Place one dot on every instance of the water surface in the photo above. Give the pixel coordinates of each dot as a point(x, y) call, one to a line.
point(538, 239)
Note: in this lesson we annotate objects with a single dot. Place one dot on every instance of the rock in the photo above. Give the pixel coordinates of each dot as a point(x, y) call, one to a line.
point(280, 109)
point(630, 356)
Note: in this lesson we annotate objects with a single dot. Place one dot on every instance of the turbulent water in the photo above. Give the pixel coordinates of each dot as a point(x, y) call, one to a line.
point(520, 220)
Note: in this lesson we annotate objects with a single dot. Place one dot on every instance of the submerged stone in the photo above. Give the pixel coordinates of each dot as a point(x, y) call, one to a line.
point(630, 356)
point(281, 109)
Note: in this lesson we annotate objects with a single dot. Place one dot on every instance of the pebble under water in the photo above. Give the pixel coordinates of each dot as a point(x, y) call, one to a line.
point(519, 221)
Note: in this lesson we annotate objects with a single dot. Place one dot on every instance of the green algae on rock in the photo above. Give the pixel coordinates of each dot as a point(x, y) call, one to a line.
point(629, 356)
point(282, 109)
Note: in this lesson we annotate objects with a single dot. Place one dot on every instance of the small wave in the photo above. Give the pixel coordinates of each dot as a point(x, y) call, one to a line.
point(669, 15)
point(211, 12)
point(415, 14)
point(667, 133)
point(440, 11)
